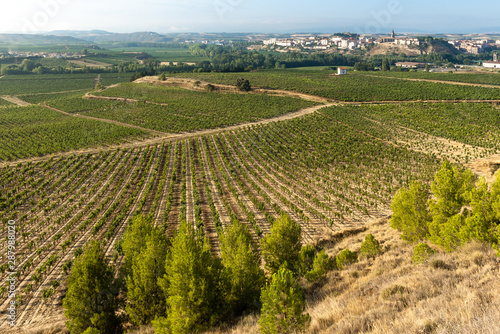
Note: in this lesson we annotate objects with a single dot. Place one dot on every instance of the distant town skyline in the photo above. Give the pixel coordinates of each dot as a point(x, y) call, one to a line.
point(164, 16)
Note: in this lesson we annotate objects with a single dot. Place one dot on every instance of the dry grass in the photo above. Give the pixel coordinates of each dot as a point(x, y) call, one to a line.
point(451, 293)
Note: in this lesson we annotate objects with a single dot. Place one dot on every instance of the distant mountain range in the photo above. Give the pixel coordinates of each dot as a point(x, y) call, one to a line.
point(20, 39)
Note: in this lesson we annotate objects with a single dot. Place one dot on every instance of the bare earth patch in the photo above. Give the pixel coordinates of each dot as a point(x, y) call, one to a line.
point(15, 100)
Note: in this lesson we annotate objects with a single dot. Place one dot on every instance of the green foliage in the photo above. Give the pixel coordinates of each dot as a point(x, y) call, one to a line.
point(134, 241)
point(191, 284)
point(421, 253)
point(450, 189)
point(345, 258)
point(92, 297)
point(242, 273)
point(283, 305)
point(386, 66)
point(282, 245)
point(410, 212)
point(243, 85)
point(370, 247)
point(321, 265)
point(146, 298)
point(306, 258)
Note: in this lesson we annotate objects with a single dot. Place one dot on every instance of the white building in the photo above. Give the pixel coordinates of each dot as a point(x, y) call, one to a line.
point(492, 64)
point(342, 71)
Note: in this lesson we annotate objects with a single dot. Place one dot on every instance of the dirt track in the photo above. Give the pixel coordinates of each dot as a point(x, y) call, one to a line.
point(15, 100)
point(105, 120)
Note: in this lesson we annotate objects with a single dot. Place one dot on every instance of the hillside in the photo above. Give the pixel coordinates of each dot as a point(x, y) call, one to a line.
point(20, 39)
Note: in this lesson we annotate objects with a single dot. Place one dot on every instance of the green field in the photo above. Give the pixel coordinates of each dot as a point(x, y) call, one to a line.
point(477, 78)
point(46, 83)
point(37, 131)
point(185, 110)
point(351, 87)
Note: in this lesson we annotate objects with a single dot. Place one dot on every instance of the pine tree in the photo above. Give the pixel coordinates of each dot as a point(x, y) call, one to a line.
point(191, 284)
point(410, 213)
point(134, 240)
point(386, 66)
point(283, 304)
point(146, 298)
point(92, 297)
point(282, 245)
point(242, 270)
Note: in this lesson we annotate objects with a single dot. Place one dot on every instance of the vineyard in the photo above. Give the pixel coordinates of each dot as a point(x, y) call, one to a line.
point(327, 182)
point(474, 78)
point(352, 87)
point(332, 168)
point(51, 83)
point(173, 109)
point(36, 131)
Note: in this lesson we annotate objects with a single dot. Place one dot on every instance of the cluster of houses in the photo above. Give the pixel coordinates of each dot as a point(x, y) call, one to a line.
point(474, 46)
point(322, 42)
point(341, 42)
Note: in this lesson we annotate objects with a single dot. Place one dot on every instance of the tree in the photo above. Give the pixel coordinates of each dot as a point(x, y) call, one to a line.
point(282, 245)
point(92, 297)
point(386, 66)
point(283, 304)
point(427, 67)
point(134, 240)
point(242, 270)
point(191, 284)
point(146, 298)
point(410, 213)
point(243, 85)
point(451, 189)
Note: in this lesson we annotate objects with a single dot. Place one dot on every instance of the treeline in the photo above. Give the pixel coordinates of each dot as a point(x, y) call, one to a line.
point(238, 59)
point(453, 211)
point(180, 286)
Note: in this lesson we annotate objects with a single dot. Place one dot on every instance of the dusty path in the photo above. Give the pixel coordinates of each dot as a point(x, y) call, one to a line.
point(436, 81)
point(487, 167)
point(105, 120)
point(15, 100)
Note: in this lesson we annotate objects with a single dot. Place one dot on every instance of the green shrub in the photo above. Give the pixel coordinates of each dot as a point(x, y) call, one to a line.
point(370, 247)
point(321, 265)
point(306, 259)
point(421, 253)
point(345, 258)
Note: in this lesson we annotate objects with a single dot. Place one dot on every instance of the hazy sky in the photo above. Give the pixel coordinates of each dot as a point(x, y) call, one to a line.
point(165, 16)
